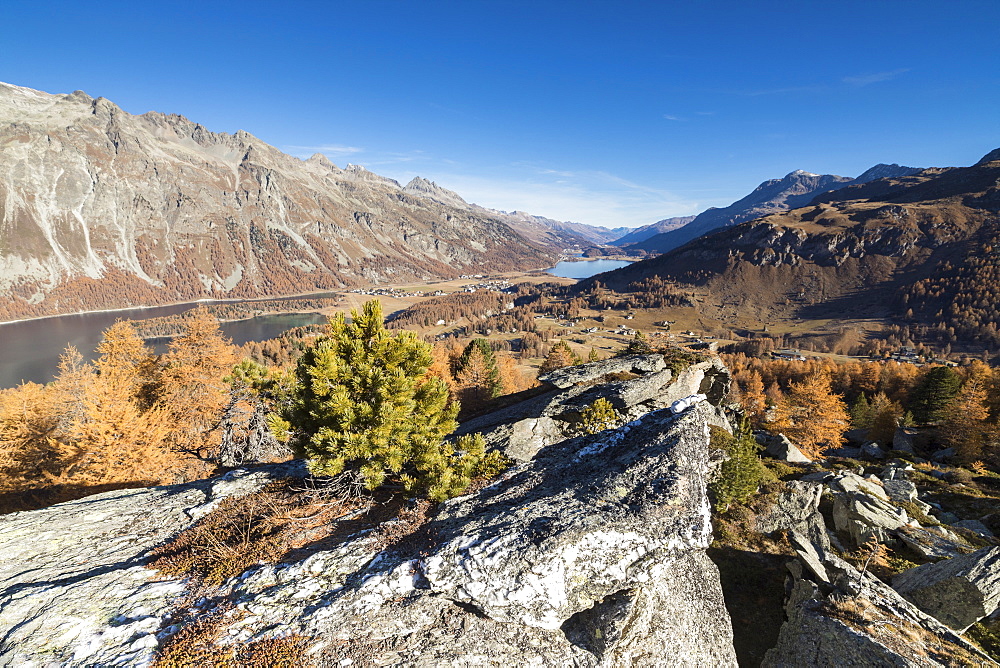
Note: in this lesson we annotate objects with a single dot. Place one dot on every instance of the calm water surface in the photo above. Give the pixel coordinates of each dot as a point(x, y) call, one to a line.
point(586, 268)
point(29, 351)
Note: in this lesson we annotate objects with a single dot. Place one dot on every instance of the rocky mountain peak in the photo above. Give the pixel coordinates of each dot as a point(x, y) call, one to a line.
point(161, 208)
point(320, 159)
point(883, 171)
point(992, 156)
point(424, 188)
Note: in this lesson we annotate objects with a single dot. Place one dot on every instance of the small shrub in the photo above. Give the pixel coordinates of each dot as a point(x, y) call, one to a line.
point(959, 477)
point(597, 417)
point(897, 564)
point(778, 470)
point(679, 360)
point(914, 511)
point(986, 634)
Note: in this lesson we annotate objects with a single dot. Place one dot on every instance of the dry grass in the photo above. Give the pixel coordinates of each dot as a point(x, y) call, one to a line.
point(899, 635)
point(268, 526)
point(196, 645)
point(286, 522)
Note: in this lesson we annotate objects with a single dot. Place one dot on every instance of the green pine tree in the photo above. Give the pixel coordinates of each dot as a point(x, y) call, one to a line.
point(364, 401)
point(861, 413)
point(597, 417)
point(938, 387)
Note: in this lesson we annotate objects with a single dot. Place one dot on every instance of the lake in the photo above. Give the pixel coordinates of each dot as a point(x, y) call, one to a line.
point(30, 350)
point(586, 268)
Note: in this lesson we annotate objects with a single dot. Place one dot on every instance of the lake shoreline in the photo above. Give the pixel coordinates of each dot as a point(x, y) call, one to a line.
point(244, 300)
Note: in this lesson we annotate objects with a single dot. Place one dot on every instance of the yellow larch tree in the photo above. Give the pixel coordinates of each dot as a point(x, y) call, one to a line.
point(192, 382)
point(811, 415)
point(964, 425)
point(752, 397)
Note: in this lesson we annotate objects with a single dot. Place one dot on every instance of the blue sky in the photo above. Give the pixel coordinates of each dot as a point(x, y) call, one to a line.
point(610, 113)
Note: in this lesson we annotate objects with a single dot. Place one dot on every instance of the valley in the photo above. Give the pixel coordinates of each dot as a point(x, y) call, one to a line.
point(353, 422)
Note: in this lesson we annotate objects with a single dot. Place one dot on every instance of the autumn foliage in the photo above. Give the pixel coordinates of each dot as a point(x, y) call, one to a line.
point(130, 418)
point(812, 416)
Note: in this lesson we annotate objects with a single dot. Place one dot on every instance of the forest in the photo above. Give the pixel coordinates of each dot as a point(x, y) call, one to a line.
point(134, 418)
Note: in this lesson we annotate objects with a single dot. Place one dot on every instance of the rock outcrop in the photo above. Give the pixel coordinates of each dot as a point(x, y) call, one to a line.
point(590, 554)
point(851, 619)
point(74, 587)
point(635, 385)
point(840, 616)
point(958, 591)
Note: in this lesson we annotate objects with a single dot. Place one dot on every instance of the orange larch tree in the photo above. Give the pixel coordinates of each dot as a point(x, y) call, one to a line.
point(811, 415)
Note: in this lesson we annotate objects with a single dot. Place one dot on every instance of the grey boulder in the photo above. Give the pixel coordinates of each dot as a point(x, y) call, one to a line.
point(863, 516)
point(634, 385)
point(781, 448)
point(958, 591)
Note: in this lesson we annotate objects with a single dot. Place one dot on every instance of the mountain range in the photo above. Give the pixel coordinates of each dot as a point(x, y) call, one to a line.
point(640, 234)
point(100, 208)
point(545, 231)
point(793, 190)
point(920, 249)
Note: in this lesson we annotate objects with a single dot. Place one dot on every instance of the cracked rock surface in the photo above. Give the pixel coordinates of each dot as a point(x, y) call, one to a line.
point(73, 588)
point(590, 554)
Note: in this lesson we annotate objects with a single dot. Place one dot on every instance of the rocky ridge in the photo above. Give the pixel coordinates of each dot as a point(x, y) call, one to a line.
point(794, 190)
point(589, 552)
point(554, 234)
point(839, 612)
point(647, 231)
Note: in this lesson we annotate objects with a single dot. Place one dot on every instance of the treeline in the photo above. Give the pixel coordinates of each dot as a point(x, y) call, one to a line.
point(816, 401)
point(171, 325)
point(82, 294)
point(652, 292)
point(960, 302)
point(451, 308)
point(853, 342)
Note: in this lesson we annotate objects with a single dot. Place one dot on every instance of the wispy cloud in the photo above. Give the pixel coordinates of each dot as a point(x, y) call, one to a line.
point(784, 91)
point(330, 150)
point(671, 117)
point(594, 197)
point(867, 79)
point(396, 158)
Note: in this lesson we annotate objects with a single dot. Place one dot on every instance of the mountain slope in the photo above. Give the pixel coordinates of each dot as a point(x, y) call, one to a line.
point(795, 189)
point(554, 234)
point(640, 234)
point(922, 250)
point(102, 209)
